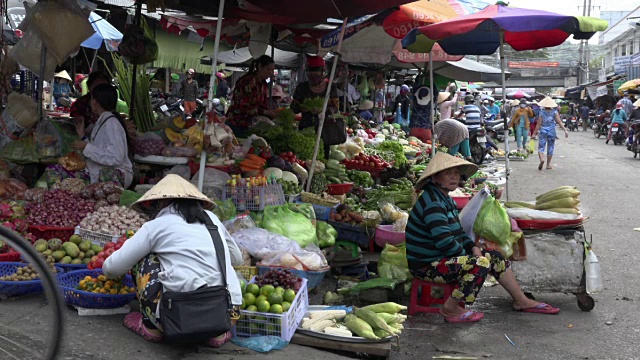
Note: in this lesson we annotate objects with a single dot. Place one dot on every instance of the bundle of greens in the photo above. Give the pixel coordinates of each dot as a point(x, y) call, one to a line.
point(312, 105)
point(285, 137)
point(397, 149)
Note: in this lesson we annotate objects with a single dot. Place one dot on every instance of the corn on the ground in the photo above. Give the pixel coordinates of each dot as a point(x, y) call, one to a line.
point(388, 307)
point(568, 202)
point(339, 331)
point(359, 327)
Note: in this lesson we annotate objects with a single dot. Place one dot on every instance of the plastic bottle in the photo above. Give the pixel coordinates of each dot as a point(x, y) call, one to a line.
point(592, 268)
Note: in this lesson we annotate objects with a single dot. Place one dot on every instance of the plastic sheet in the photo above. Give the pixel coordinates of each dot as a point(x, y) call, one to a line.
point(261, 344)
point(184, 171)
point(239, 223)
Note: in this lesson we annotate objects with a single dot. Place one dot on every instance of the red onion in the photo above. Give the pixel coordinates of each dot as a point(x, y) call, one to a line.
point(59, 208)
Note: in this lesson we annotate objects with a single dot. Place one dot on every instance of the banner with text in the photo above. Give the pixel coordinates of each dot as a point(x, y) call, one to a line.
point(532, 64)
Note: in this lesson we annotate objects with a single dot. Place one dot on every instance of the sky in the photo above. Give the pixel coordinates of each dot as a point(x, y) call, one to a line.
point(574, 7)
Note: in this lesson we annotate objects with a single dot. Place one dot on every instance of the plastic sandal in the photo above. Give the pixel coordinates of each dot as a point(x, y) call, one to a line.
point(217, 342)
point(541, 308)
point(133, 322)
point(468, 317)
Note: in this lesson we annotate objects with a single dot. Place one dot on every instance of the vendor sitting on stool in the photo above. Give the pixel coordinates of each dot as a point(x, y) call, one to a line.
point(61, 89)
point(439, 251)
point(364, 110)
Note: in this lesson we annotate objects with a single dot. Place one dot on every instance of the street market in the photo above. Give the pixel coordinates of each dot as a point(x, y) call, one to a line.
point(354, 186)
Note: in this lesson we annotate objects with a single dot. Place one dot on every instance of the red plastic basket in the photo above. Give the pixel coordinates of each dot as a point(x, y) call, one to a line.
point(50, 232)
point(11, 256)
point(461, 201)
point(339, 189)
point(547, 224)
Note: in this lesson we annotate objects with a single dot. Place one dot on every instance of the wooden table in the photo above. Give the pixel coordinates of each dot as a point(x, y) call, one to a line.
point(378, 349)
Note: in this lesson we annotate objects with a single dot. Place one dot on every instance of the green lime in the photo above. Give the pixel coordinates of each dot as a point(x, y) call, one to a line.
point(289, 295)
point(276, 309)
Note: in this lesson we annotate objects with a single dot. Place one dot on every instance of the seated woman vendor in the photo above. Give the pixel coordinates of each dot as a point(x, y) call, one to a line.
point(439, 251)
point(314, 89)
point(251, 96)
point(174, 252)
point(107, 147)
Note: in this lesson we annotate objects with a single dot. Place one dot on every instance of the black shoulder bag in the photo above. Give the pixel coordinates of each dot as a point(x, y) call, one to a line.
point(195, 316)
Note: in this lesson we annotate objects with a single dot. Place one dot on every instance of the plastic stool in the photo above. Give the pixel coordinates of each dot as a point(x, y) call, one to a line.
point(426, 302)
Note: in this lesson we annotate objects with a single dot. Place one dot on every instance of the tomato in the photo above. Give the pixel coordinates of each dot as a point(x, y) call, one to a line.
point(90, 265)
point(101, 255)
point(289, 154)
point(98, 264)
point(118, 246)
point(109, 245)
point(94, 258)
point(109, 252)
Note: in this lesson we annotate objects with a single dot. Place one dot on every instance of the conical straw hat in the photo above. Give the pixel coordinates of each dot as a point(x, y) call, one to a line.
point(174, 187)
point(443, 96)
point(63, 74)
point(637, 103)
point(547, 103)
point(443, 161)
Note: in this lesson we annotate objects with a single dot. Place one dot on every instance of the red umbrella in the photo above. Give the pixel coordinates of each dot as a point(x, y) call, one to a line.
point(518, 95)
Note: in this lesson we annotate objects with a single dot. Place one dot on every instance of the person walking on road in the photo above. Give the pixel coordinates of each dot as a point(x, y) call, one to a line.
point(584, 115)
point(619, 116)
point(189, 93)
point(546, 129)
point(520, 123)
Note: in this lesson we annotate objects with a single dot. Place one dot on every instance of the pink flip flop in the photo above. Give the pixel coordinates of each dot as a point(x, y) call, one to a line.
point(541, 308)
point(133, 322)
point(468, 317)
point(217, 342)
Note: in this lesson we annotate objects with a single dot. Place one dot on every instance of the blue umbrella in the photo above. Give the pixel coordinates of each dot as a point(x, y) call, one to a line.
point(105, 32)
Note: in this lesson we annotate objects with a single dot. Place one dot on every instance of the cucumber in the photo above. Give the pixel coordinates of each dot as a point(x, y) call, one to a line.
point(334, 180)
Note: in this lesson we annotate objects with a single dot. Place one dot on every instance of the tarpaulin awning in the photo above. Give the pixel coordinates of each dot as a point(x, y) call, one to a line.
point(179, 53)
point(243, 56)
point(105, 33)
point(469, 70)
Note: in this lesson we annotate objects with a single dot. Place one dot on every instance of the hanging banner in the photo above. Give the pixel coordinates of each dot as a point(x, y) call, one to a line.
point(405, 56)
point(331, 39)
point(635, 59)
point(532, 64)
point(621, 63)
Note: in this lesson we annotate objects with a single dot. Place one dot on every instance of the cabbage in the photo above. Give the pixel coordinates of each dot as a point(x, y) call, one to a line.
point(337, 155)
point(289, 176)
point(272, 172)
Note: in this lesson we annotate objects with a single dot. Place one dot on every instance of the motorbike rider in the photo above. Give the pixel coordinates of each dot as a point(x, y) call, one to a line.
point(472, 115)
point(618, 117)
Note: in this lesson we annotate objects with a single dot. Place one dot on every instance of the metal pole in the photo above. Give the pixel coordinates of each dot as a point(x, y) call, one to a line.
point(346, 88)
point(433, 99)
point(586, 50)
point(43, 59)
point(132, 101)
point(167, 79)
point(214, 66)
point(326, 102)
point(504, 102)
point(271, 82)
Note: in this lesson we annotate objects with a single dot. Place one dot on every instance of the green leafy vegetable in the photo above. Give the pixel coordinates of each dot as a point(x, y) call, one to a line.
point(397, 149)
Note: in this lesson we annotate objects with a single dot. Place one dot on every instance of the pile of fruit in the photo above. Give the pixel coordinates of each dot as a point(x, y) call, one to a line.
point(371, 322)
point(75, 251)
point(366, 163)
point(59, 208)
point(103, 285)
point(290, 187)
point(109, 248)
point(103, 193)
point(272, 292)
point(24, 273)
point(292, 158)
point(12, 216)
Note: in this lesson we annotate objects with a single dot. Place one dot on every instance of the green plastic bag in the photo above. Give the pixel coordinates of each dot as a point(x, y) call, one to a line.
point(492, 222)
point(225, 209)
point(327, 234)
point(128, 197)
point(393, 263)
point(22, 151)
point(291, 224)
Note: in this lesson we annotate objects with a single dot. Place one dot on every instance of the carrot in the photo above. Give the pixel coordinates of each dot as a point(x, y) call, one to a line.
point(257, 158)
point(356, 217)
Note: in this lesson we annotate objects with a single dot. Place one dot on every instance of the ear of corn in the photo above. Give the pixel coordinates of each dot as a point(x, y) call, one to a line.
point(327, 314)
point(388, 307)
point(555, 191)
point(338, 331)
point(392, 318)
point(567, 202)
point(519, 205)
point(571, 211)
point(360, 327)
point(557, 194)
point(318, 326)
point(372, 319)
point(381, 333)
point(311, 322)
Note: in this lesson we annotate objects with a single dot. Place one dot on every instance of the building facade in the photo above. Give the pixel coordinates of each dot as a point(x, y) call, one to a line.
point(621, 42)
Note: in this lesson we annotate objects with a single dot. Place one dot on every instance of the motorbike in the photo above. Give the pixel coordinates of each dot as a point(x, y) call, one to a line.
point(617, 134)
point(477, 143)
point(601, 128)
point(632, 143)
point(572, 123)
point(495, 129)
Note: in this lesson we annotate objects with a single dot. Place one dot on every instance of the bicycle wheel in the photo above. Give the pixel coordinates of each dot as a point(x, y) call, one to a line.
point(29, 329)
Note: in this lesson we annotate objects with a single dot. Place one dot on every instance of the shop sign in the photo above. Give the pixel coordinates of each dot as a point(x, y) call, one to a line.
point(532, 64)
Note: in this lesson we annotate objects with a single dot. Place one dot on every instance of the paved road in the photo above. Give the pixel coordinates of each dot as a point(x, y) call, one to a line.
point(606, 176)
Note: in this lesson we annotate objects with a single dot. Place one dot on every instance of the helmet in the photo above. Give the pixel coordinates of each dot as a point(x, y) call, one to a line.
point(220, 75)
point(469, 99)
point(191, 71)
point(619, 106)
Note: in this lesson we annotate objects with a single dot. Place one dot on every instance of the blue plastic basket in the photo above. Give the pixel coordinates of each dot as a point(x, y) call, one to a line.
point(17, 288)
point(72, 267)
point(68, 282)
point(314, 278)
point(322, 212)
point(360, 235)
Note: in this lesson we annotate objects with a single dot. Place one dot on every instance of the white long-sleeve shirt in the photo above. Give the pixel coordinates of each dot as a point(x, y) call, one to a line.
point(445, 107)
point(185, 251)
point(108, 148)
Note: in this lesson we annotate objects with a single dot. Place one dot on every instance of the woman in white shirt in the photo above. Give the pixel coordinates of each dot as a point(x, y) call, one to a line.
point(107, 150)
point(174, 252)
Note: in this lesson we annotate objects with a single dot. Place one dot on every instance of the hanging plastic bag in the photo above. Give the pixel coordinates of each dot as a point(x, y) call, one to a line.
point(293, 225)
point(493, 222)
point(263, 244)
point(48, 139)
point(21, 151)
point(531, 147)
point(138, 45)
point(393, 263)
point(470, 212)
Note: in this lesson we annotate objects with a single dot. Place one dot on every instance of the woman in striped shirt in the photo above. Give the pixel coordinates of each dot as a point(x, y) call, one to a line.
point(438, 250)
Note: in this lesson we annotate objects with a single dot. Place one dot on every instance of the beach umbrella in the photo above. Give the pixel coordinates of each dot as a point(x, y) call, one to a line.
point(629, 85)
point(486, 31)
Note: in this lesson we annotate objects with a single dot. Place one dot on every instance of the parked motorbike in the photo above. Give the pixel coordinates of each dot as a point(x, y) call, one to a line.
point(632, 142)
point(617, 134)
point(601, 128)
point(477, 143)
point(571, 123)
point(495, 129)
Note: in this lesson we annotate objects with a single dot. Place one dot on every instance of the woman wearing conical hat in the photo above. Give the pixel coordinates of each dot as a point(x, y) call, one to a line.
point(438, 249)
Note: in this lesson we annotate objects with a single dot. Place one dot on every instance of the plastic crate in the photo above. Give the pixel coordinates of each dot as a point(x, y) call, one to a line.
point(96, 237)
point(51, 232)
point(360, 235)
point(254, 198)
point(386, 235)
point(17, 288)
point(253, 323)
point(11, 256)
point(68, 282)
point(314, 277)
point(322, 212)
point(247, 272)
